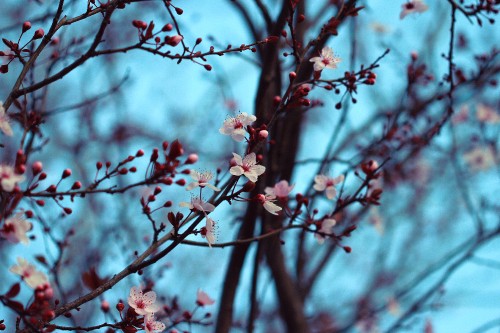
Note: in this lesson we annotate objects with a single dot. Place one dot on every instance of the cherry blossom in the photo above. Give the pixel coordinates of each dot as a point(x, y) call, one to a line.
point(326, 229)
point(202, 298)
point(197, 203)
point(208, 231)
point(281, 189)
point(28, 272)
point(151, 325)
point(15, 229)
point(480, 158)
point(247, 167)
point(269, 205)
point(236, 126)
point(143, 304)
point(201, 179)
point(4, 121)
point(323, 183)
point(412, 6)
point(8, 178)
point(486, 114)
point(326, 60)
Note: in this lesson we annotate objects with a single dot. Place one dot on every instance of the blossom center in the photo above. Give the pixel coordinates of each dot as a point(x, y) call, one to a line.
point(140, 304)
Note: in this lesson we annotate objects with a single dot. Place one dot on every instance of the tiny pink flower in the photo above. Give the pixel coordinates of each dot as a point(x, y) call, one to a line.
point(461, 116)
point(151, 325)
point(480, 158)
point(209, 231)
point(412, 6)
point(269, 205)
point(326, 60)
point(280, 189)
point(236, 126)
point(323, 183)
point(247, 167)
point(197, 203)
point(486, 114)
point(202, 298)
point(28, 272)
point(201, 179)
point(15, 229)
point(4, 121)
point(326, 229)
point(8, 178)
point(143, 304)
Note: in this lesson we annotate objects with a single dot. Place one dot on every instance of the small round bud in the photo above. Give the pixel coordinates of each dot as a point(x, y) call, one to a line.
point(263, 134)
point(104, 306)
point(26, 26)
point(192, 158)
point(38, 34)
point(76, 185)
point(37, 167)
point(66, 173)
point(120, 306)
point(292, 76)
point(167, 27)
point(208, 67)
point(139, 153)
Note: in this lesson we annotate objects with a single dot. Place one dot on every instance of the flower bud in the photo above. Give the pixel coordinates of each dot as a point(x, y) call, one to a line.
point(26, 26)
point(39, 34)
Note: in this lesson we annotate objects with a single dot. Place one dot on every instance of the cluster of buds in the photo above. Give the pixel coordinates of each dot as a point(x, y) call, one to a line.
point(298, 97)
point(417, 73)
point(146, 33)
point(40, 311)
point(165, 171)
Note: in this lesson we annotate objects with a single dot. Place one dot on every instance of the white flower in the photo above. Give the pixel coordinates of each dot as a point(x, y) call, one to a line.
point(4, 121)
point(267, 202)
point(143, 304)
point(198, 204)
point(486, 114)
point(8, 178)
point(326, 60)
point(28, 272)
point(412, 6)
point(323, 182)
point(480, 158)
point(202, 298)
point(15, 229)
point(280, 189)
point(208, 231)
point(236, 126)
point(326, 229)
point(201, 179)
point(151, 325)
point(247, 166)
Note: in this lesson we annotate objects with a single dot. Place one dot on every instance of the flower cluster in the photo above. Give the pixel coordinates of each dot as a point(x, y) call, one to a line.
point(145, 304)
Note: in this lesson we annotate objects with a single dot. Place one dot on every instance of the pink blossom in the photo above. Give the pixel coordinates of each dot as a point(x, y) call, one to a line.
point(326, 60)
point(15, 229)
point(236, 126)
point(323, 183)
point(280, 189)
point(486, 114)
point(269, 205)
point(201, 179)
point(326, 229)
point(4, 121)
point(143, 304)
point(151, 325)
point(412, 6)
point(198, 204)
point(480, 158)
point(8, 178)
point(247, 166)
point(202, 298)
point(208, 231)
point(28, 272)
